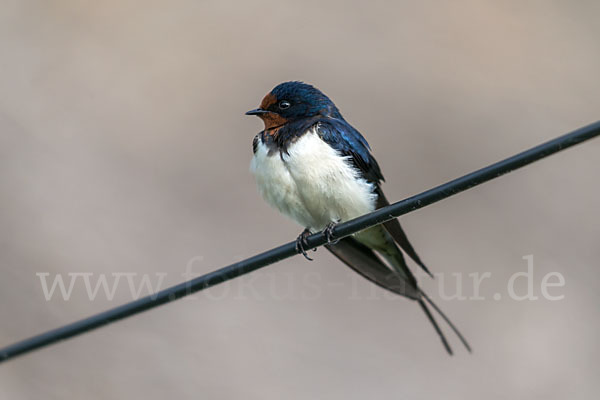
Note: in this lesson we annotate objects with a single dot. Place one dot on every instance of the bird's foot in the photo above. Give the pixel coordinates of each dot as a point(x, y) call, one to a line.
point(302, 244)
point(328, 231)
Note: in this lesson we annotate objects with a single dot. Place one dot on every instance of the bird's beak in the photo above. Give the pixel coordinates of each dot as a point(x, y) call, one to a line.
point(257, 111)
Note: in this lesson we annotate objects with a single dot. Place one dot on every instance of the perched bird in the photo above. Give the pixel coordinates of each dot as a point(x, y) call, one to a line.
point(314, 167)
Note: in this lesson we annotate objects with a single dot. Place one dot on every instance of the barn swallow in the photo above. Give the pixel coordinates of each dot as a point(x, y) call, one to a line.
point(314, 167)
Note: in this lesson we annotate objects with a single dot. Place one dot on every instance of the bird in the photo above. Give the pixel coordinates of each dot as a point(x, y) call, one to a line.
point(314, 167)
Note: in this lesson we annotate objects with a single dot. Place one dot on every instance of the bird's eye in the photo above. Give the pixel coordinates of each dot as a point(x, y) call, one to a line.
point(283, 104)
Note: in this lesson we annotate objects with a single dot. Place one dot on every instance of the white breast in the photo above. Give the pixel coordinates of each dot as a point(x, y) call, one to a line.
point(312, 184)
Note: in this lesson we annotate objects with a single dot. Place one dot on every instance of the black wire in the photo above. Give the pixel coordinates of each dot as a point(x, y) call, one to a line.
point(288, 250)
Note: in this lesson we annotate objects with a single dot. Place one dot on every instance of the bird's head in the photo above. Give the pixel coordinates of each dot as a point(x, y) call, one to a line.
point(292, 101)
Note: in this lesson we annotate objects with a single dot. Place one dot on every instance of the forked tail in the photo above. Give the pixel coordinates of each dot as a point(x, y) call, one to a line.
point(437, 328)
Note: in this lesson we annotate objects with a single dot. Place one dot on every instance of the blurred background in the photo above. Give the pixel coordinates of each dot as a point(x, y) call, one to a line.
point(124, 149)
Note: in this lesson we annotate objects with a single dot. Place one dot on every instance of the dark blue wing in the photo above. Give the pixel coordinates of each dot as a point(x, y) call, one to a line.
point(343, 137)
point(349, 142)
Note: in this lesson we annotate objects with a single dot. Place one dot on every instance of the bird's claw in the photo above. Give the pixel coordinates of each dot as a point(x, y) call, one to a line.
point(302, 244)
point(328, 231)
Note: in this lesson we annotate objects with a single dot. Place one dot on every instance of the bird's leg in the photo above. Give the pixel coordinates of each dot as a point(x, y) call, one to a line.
point(301, 244)
point(328, 231)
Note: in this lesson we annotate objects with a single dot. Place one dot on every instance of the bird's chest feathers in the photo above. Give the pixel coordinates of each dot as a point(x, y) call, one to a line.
point(311, 182)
